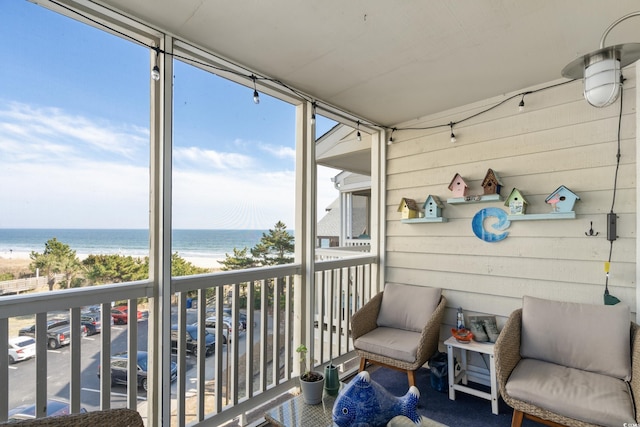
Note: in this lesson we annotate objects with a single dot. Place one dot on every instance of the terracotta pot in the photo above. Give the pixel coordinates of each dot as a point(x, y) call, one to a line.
point(312, 390)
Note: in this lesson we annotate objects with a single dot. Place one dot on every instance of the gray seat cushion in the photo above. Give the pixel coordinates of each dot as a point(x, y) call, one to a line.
point(581, 395)
point(407, 307)
point(590, 337)
point(393, 343)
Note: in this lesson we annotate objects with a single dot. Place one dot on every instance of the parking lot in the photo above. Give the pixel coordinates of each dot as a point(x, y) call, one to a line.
point(22, 374)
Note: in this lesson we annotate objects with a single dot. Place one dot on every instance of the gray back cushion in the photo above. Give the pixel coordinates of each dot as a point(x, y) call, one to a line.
point(593, 338)
point(407, 307)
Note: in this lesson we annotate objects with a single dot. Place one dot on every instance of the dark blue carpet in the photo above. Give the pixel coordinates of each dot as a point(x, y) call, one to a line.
point(466, 410)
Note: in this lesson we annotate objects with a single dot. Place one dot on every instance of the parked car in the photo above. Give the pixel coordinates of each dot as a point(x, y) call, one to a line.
point(61, 335)
point(58, 332)
point(210, 325)
point(242, 318)
point(120, 315)
point(30, 331)
point(192, 340)
point(21, 348)
point(92, 321)
point(226, 311)
point(119, 369)
point(95, 308)
point(54, 408)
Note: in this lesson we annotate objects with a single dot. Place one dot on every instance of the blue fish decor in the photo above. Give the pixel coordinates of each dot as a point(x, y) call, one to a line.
point(365, 403)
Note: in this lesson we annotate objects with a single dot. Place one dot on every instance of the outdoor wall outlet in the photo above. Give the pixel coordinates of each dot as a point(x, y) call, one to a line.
point(612, 220)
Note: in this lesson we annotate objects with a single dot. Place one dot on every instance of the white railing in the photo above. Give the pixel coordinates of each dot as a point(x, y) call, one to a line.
point(342, 287)
point(253, 367)
point(357, 242)
point(63, 378)
point(339, 252)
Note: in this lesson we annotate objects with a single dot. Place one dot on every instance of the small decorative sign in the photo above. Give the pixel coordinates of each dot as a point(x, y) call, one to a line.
point(478, 226)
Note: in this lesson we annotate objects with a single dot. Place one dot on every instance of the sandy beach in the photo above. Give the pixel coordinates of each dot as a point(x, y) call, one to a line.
point(17, 265)
point(19, 262)
point(14, 265)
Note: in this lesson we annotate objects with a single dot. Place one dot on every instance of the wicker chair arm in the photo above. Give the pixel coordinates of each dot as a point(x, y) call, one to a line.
point(507, 349)
point(430, 337)
point(635, 367)
point(107, 418)
point(365, 319)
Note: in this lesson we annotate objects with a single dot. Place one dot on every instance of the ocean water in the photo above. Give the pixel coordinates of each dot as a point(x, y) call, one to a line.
point(201, 247)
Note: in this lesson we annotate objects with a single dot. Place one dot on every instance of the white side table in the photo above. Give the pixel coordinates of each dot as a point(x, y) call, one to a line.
point(459, 382)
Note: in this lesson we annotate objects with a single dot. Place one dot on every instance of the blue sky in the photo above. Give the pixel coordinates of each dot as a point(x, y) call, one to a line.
point(74, 135)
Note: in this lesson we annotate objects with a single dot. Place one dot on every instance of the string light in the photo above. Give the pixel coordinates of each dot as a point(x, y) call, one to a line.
point(391, 137)
point(521, 104)
point(313, 113)
point(155, 72)
point(358, 135)
point(256, 95)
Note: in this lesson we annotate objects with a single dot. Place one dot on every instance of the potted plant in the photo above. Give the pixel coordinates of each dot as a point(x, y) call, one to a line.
point(311, 382)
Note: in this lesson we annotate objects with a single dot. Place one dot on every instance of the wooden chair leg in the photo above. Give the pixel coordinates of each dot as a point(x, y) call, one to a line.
point(516, 420)
point(363, 364)
point(412, 377)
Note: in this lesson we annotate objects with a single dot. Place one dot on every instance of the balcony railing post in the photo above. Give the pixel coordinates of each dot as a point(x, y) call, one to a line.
point(4, 368)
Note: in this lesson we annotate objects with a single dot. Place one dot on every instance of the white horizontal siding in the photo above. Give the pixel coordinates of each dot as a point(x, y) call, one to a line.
point(558, 140)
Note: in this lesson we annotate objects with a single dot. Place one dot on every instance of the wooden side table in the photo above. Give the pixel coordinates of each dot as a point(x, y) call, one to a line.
point(459, 382)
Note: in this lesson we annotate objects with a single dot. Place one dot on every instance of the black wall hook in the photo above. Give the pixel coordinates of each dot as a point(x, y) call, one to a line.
point(591, 233)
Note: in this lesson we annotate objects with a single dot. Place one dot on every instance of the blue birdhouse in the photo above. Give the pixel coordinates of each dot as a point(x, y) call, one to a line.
point(433, 207)
point(562, 199)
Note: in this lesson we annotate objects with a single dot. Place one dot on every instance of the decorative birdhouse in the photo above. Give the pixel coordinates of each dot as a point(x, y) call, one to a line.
point(562, 200)
point(409, 208)
point(491, 183)
point(433, 207)
point(516, 202)
point(458, 186)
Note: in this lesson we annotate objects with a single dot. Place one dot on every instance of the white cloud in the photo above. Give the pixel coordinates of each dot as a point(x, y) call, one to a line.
point(41, 126)
point(211, 159)
point(243, 200)
point(280, 151)
point(48, 178)
point(74, 195)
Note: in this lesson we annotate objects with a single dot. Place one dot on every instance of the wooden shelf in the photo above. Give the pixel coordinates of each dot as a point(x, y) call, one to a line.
point(485, 198)
point(534, 217)
point(417, 220)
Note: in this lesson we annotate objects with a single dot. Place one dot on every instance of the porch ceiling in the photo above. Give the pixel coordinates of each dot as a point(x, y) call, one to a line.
point(393, 61)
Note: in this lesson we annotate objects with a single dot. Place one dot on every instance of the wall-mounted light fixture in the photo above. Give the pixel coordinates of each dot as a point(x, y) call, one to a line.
point(601, 69)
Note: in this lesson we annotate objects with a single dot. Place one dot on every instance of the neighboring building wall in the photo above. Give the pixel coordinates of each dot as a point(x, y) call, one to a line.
point(558, 140)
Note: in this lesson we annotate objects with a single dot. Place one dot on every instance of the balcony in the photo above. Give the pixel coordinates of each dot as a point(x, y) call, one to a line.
point(254, 366)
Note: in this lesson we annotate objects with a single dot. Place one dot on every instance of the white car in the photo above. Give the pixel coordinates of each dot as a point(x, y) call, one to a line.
point(21, 348)
point(210, 325)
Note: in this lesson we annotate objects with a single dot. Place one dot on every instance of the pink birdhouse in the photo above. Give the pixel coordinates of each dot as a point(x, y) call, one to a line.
point(458, 186)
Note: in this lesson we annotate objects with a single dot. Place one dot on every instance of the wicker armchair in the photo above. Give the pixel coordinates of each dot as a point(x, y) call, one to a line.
point(108, 418)
point(508, 356)
point(380, 345)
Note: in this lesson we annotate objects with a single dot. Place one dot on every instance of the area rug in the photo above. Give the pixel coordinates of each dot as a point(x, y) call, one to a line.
point(466, 410)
